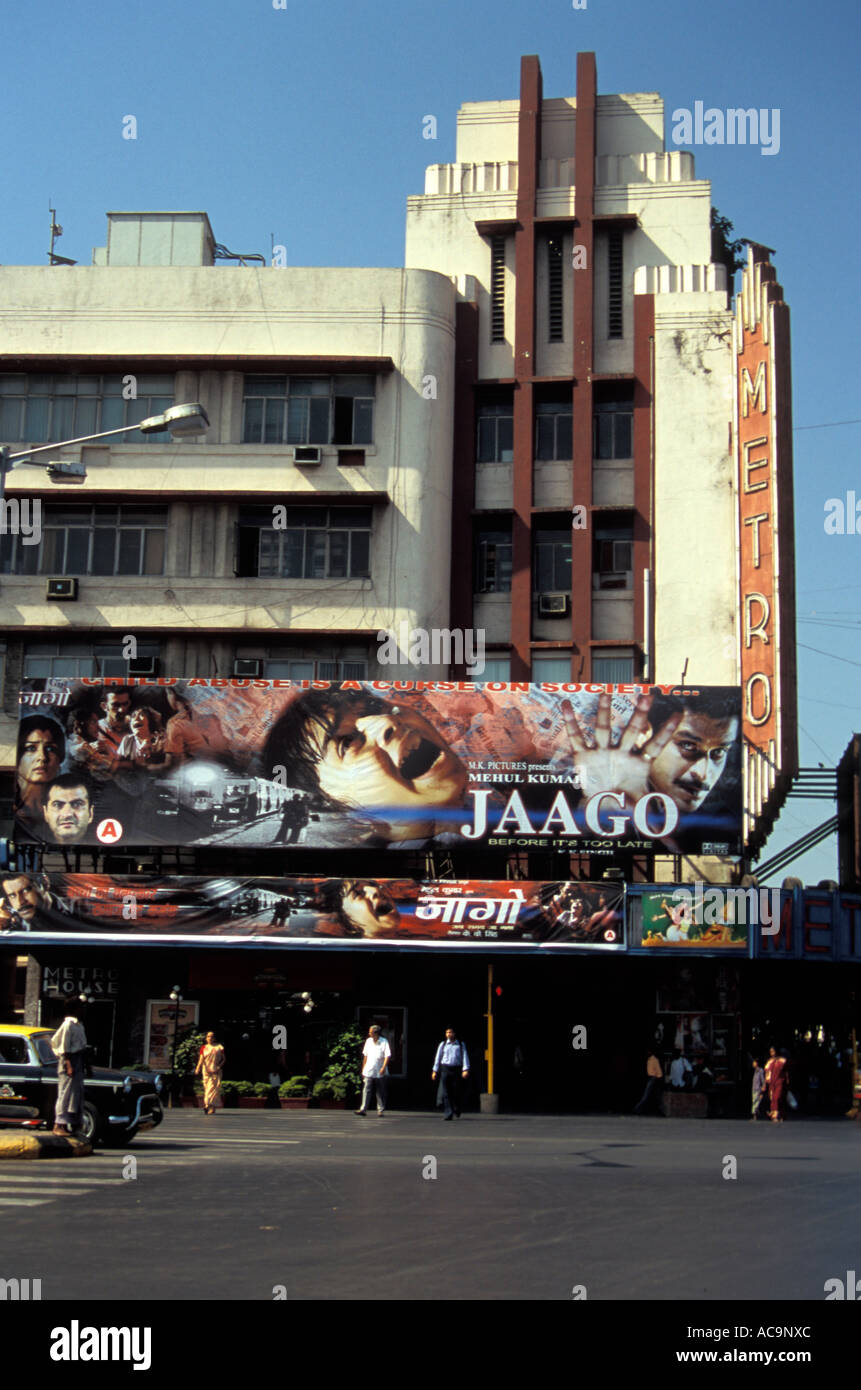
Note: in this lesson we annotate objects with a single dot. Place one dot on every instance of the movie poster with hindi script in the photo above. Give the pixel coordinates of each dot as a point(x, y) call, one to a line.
point(78, 908)
point(379, 765)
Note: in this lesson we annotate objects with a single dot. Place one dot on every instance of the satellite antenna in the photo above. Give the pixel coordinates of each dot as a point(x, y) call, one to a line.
point(57, 231)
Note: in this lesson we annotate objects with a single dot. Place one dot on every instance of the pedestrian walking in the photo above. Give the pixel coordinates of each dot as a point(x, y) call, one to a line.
point(377, 1055)
point(69, 1045)
point(451, 1064)
point(210, 1061)
point(757, 1092)
point(654, 1085)
point(776, 1080)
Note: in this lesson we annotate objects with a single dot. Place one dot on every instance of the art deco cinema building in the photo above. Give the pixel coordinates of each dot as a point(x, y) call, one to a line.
point(622, 484)
point(551, 426)
point(555, 424)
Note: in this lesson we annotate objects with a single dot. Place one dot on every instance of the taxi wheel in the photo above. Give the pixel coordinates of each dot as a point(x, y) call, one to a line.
point(90, 1123)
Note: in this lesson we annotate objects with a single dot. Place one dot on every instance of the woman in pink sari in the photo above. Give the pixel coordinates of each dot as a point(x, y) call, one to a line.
point(776, 1081)
point(211, 1062)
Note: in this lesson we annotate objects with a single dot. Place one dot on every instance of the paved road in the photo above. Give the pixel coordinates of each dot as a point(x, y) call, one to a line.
point(521, 1208)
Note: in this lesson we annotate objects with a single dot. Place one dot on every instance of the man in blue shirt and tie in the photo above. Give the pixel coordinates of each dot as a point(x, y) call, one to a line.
point(451, 1063)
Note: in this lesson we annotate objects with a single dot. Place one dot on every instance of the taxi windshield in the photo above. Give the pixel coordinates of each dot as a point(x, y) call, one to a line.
point(43, 1047)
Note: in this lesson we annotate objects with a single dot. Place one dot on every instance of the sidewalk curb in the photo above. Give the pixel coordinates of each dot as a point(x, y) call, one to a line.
point(22, 1145)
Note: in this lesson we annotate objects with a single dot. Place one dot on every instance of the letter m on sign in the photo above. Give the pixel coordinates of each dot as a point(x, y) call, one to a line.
point(753, 391)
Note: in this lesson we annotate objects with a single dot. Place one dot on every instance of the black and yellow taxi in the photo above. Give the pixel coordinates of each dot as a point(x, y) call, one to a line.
point(116, 1105)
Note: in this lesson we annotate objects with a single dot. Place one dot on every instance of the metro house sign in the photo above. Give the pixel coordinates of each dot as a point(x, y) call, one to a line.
point(61, 980)
point(763, 418)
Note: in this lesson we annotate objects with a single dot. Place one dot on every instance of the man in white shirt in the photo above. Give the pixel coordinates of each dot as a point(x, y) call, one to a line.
point(377, 1055)
point(680, 1071)
point(69, 1045)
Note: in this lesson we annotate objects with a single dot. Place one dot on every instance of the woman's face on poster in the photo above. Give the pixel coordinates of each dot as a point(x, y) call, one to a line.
point(40, 757)
point(387, 760)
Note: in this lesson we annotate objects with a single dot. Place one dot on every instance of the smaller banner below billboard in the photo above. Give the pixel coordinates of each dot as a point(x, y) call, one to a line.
point(701, 917)
point(255, 764)
point(312, 911)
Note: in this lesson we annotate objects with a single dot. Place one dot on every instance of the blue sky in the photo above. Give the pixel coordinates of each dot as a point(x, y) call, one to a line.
point(304, 124)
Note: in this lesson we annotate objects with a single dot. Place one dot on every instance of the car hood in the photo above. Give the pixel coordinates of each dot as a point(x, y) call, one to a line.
point(119, 1078)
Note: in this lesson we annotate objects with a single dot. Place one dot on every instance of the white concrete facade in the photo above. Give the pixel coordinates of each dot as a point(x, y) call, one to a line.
point(181, 319)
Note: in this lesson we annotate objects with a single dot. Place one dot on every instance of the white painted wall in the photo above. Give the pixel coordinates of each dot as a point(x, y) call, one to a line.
point(696, 599)
point(407, 315)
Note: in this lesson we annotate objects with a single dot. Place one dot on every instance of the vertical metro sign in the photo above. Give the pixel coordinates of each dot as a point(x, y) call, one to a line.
point(763, 419)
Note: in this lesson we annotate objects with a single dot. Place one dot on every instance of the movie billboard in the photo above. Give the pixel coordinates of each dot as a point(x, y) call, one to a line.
point(705, 917)
point(379, 764)
point(77, 908)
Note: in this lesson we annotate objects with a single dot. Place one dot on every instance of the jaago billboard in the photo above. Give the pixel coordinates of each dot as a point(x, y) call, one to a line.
point(379, 764)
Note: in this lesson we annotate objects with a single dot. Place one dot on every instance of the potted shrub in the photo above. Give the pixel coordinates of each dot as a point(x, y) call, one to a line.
point(249, 1094)
point(195, 1101)
point(342, 1079)
point(230, 1093)
point(295, 1094)
point(332, 1089)
point(182, 1080)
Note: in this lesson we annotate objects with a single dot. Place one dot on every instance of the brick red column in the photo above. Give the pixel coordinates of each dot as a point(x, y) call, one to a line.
point(528, 155)
point(584, 208)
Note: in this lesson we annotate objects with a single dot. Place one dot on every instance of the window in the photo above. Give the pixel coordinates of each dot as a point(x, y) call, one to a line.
point(615, 325)
point(308, 410)
point(281, 666)
point(554, 290)
point(86, 539)
point(493, 559)
point(614, 423)
point(496, 668)
point(552, 559)
point(497, 288)
point(553, 424)
point(315, 543)
point(44, 659)
point(41, 409)
point(496, 428)
point(613, 559)
point(612, 668)
point(551, 668)
point(14, 1050)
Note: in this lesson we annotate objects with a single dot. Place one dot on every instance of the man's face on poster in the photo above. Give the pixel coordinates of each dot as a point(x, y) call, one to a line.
point(40, 757)
point(368, 905)
point(393, 758)
point(24, 896)
point(116, 709)
point(691, 763)
point(68, 813)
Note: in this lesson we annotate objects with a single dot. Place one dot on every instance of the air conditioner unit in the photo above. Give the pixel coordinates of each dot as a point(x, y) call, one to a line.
point(554, 605)
point(61, 588)
point(143, 666)
point(307, 454)
point(247, 666)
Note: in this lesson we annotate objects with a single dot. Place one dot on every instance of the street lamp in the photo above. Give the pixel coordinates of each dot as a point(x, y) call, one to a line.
point(86, 998)
point(180, 420)
point(176, 996)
